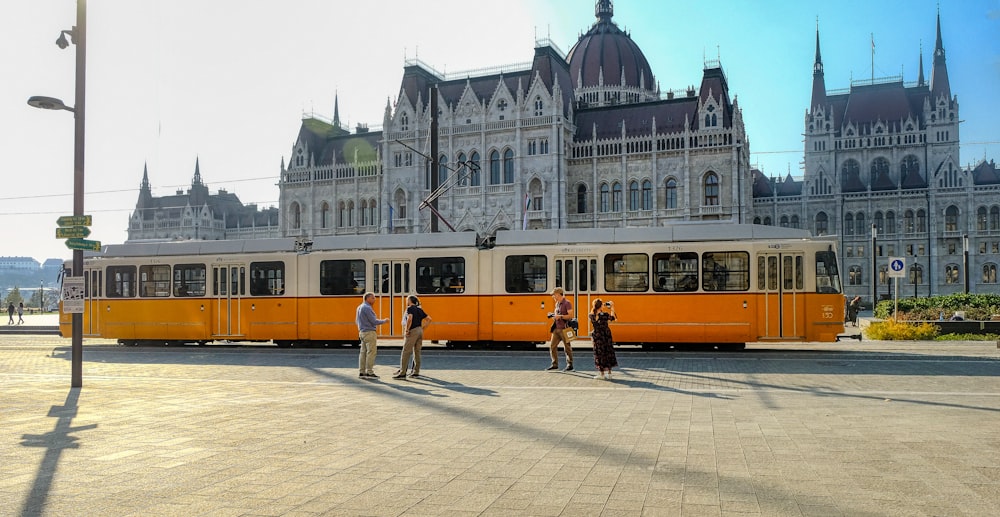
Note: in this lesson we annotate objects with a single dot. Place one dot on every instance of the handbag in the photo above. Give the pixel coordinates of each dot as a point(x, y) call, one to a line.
point(568, 335)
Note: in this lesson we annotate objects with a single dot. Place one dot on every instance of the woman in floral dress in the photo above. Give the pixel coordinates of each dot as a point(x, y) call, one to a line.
point(604, 351)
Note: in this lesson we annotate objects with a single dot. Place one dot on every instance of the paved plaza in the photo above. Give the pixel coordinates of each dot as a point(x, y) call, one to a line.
point(851, 429)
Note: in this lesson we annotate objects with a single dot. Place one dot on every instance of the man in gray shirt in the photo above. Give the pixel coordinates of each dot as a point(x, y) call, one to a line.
point(367, 323)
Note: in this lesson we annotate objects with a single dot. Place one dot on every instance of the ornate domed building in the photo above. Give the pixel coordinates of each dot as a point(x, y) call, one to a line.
point(584, 139)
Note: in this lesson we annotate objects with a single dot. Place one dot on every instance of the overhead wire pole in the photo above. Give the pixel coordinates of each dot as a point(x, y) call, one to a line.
point(435, 180)
point(431, 200)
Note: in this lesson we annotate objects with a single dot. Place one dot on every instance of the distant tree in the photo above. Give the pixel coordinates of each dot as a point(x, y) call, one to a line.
point(14, 296)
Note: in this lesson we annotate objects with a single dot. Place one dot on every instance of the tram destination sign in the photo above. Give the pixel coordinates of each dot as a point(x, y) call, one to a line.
point(83, 244)
point(75, 220)
point(71, 232)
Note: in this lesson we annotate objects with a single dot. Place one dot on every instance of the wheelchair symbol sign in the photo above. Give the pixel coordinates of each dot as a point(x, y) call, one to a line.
point(897, 267)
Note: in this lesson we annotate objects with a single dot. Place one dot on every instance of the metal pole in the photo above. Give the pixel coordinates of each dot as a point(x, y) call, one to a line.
point(79, 110)
point(435, 180)
point(965, 264)
point(874, 268)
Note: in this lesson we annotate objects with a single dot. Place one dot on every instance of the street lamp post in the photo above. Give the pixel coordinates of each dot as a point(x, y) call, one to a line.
point(41, 296)
point(78, 35)
point(874, 267)
point(739, 181)
point(965, 264)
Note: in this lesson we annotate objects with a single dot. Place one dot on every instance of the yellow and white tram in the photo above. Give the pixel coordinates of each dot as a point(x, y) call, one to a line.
point(719, 284)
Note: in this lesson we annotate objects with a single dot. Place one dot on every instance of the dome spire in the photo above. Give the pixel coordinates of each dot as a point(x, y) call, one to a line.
point(604, 10)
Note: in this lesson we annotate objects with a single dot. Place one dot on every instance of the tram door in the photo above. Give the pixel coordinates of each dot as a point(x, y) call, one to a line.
point(228, 288)
point(577, 275)
point(93, 289)
point(780, 280)
point(391, 284)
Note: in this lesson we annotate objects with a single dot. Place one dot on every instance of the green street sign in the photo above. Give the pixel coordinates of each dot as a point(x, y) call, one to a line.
point(72, 232)
point(83, 244)
point(75, 220)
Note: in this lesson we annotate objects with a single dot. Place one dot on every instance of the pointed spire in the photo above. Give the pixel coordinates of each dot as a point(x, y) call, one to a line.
point(920, 75)
point(145, 177)
point(197, 172)
point(819, 83)
point(336, 109)
point(939, 72)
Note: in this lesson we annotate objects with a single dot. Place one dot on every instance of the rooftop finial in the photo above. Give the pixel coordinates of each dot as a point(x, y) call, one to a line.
point(604, 9)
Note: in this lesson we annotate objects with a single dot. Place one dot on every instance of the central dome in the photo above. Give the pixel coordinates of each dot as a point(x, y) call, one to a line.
point(609, 51)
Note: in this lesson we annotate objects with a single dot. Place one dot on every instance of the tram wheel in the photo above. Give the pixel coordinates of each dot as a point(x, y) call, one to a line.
point(283, 344)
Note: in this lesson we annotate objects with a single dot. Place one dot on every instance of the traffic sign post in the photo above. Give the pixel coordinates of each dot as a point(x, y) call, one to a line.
point(83, 244)
point(897, 270)
point(75, 220)
point(72, 232)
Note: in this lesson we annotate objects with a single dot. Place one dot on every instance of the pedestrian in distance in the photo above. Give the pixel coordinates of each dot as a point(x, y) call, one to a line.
point(20, 313)
point(852, 310)
point(10, 312)
point(604, 350)
point(414, 323)
point(367, 325)
point(561, 315)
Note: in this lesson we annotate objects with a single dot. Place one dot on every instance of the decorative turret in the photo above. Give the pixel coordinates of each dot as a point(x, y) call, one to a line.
point(145, 191)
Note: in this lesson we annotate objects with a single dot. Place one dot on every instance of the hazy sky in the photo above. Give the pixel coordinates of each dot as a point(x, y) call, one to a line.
point(228, 81)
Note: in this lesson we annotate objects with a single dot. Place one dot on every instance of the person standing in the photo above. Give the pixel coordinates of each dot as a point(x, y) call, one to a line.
point(604, 350)
point(20, 313)
point(852, 310)
point(562, 314)
point(10, 312)
point(367, 323)
point(413, 331)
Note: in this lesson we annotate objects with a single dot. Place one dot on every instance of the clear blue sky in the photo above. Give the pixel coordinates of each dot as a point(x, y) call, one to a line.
point(229, 80)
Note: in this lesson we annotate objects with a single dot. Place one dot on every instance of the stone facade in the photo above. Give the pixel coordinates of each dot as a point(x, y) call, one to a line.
point(198, 215)
point(583, 139)
point(884, 155)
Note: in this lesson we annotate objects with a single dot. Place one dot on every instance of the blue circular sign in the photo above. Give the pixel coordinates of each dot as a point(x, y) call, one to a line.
point(896, 265)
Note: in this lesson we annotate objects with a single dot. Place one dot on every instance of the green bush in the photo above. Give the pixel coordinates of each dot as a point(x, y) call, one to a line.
point(976, 307)
point(968, 337)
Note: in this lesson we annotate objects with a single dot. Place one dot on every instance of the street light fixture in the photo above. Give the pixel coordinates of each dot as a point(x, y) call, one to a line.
point(78, 36)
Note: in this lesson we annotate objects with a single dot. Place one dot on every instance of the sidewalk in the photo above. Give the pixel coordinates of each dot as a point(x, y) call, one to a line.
point(834, 429)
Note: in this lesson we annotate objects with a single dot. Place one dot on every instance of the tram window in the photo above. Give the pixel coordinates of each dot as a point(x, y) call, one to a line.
point(675, 272)
point(441, 275)
point(381, 278)
point(827, 274)
point(189, 280)
point(267, 278)
point(154, 281)
point(526, 274)
point(626, 272)
point(772, 273)
point(725, 271)
point(761, 272)
point(341, 277)
point(121, 282)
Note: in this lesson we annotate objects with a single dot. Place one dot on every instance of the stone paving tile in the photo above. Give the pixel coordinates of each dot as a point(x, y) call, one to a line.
point(269, 432)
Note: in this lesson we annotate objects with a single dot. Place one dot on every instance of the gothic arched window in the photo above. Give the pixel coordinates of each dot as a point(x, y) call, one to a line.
point(711, 189)
point(508, 166)
point(494, 168)
point(581, 199)
point(671, 194)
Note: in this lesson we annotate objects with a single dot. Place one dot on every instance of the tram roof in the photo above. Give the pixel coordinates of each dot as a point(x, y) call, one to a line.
point(685, 232)
point(347, 242)
point(689, 232)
